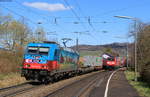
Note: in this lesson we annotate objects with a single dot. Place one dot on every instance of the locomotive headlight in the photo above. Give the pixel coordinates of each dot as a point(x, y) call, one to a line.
point(113, 62)
point(28, 60)
point(44, 67)
point(27, 65)
point(108, 62)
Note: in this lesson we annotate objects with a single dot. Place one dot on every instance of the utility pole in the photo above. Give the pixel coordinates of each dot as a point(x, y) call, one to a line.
point(135, 21)
point(77, 44)
point(77, 38)
point(39, 33)
point(126, 48)
point(127, 56)
point(135, 42)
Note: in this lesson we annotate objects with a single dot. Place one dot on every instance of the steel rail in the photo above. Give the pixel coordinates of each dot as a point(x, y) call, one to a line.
point(10, 92)
point(63, 87)
point(14, 86)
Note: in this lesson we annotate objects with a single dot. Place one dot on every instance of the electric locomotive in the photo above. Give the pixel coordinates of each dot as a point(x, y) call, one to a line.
point(48, 61)
point(110, 62)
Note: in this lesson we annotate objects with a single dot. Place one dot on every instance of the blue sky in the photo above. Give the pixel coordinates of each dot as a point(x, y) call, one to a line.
point(59, 16)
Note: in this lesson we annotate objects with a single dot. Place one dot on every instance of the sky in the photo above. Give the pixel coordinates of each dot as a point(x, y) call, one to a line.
point(93, 19)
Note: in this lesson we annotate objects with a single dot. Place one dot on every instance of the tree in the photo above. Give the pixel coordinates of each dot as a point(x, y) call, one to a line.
point(143, 51)
point(13, 33)
point(4, 33)
point(40, 34)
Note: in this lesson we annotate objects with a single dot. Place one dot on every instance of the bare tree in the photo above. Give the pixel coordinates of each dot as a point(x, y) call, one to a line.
point(40, 34)
point(12, 32)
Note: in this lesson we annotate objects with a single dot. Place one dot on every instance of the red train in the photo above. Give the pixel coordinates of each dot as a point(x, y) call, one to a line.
point(111, 62)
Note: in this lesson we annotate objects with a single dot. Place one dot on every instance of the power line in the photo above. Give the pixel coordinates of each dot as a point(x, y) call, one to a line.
point(19, 15)
point(45, 17)
point(98, 22)
point(55, 17)
point(26, 18)
point(19, 3)
point(77, 4)
point(89, 19)
point(36, 13)
point(121, 9)
point(73, 11)
point(80, 20)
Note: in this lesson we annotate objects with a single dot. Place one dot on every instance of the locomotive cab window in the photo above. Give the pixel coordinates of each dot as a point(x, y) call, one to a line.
point(57, 52)
point(43, 50)
point(38, 50)
point(111, 59)
point(32, 50)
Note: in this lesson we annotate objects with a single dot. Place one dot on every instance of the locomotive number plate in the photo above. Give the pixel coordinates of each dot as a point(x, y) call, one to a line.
point(35, 61)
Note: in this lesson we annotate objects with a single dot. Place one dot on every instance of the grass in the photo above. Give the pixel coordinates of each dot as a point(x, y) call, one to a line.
point(10, 79)
point(142, 87)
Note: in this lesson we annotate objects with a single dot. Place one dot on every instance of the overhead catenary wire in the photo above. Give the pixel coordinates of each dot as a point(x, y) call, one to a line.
point(55, 18)
point(78, 6)
point(88, 18)
point(89, 21)
point(19, 15)
point(56, 22)
point(23, 16)
point(120, 9)
point(98, 22)
point(76, 16)
point(26, 17)
point(29, 10)
point(74, 12)
point(46, 17)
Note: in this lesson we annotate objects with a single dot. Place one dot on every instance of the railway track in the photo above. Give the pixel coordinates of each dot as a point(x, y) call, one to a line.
point(80, 87)
point(77, 88)
point(18, 89)
point(7, 88)
point(84, 89)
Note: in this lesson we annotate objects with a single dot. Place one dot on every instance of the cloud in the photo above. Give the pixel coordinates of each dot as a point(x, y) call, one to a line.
point(47, 6)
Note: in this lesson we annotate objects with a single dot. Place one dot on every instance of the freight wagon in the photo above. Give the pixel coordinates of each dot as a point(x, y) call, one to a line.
point(93, 61)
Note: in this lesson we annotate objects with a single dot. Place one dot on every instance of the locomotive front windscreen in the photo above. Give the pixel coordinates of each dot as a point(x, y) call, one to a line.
point(43, 50)
point(111, 59)
point(38, 50)
point(32, 50)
